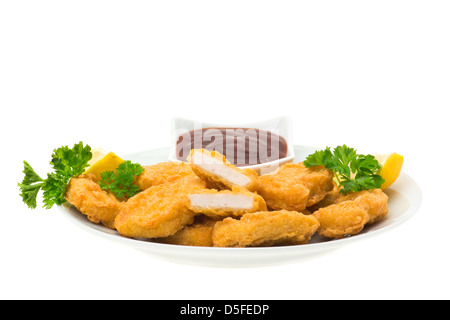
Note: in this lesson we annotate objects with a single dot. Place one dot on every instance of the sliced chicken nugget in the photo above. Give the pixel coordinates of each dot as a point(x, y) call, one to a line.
point(226, 203)
point(219, 173)
point(159, 211)
point(265, 229)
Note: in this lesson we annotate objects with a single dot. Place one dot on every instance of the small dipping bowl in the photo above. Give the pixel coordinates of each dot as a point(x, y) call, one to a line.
point(281, 127)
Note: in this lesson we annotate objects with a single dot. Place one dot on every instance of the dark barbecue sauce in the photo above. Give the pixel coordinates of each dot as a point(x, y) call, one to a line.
point(241, 146)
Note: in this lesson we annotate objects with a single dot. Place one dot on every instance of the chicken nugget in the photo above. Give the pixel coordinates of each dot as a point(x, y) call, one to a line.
point(87, 196)
point(219, 173)
point(163, 172)
point(197, 234)
point(351, 213)
point(295, 187)
point(265, 229)
point(159, 211)
point(338, 220)
point(225, 203)
point(374, 201)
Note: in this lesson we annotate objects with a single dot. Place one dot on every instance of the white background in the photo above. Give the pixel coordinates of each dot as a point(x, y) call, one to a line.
point(374, 75)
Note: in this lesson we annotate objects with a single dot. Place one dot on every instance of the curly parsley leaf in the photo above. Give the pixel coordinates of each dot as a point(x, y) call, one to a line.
point(30, 186)
point(353, 172)
point(320, 158)
point(122, 182)
point(67, 163)
point(71, 162)
point(54, 189)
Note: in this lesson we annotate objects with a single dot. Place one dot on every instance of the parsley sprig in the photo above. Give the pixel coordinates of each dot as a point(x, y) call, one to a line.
point(122, 182)
point(66, 163)
point(353, 172)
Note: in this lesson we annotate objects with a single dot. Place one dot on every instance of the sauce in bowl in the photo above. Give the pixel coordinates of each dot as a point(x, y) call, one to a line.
point(241, 146)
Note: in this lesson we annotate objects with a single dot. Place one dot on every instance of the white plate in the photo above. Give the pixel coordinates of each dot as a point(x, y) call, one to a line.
point(404, 201)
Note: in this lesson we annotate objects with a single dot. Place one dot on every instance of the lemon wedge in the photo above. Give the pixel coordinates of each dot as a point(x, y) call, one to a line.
point(391, 166)
point(102, 161)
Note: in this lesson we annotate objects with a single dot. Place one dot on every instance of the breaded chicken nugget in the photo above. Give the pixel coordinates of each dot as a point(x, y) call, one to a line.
point(197, 234)
point(219, 173)
point(226, 203)
point(351, 213)
point(295, 187)
point(265, 229)
point(374, 201)
point(159, 211)
point(163, 172)
point(338, 220)
point(97, 204)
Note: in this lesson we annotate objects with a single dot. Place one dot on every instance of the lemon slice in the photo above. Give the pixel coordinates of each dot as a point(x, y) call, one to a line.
point(391, 166)
point(102, 161)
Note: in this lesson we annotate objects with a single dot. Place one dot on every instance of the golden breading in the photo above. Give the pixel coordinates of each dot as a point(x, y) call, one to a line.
point(97, 204)
point(295, 187)
point(226, 203)
point(197, 234)
point(351, 213)
point(265, 229)
point(373, 201)
point(337, 220)
point(219, 173)
point(330, 198)
point(163, 172)
point(159, 211)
